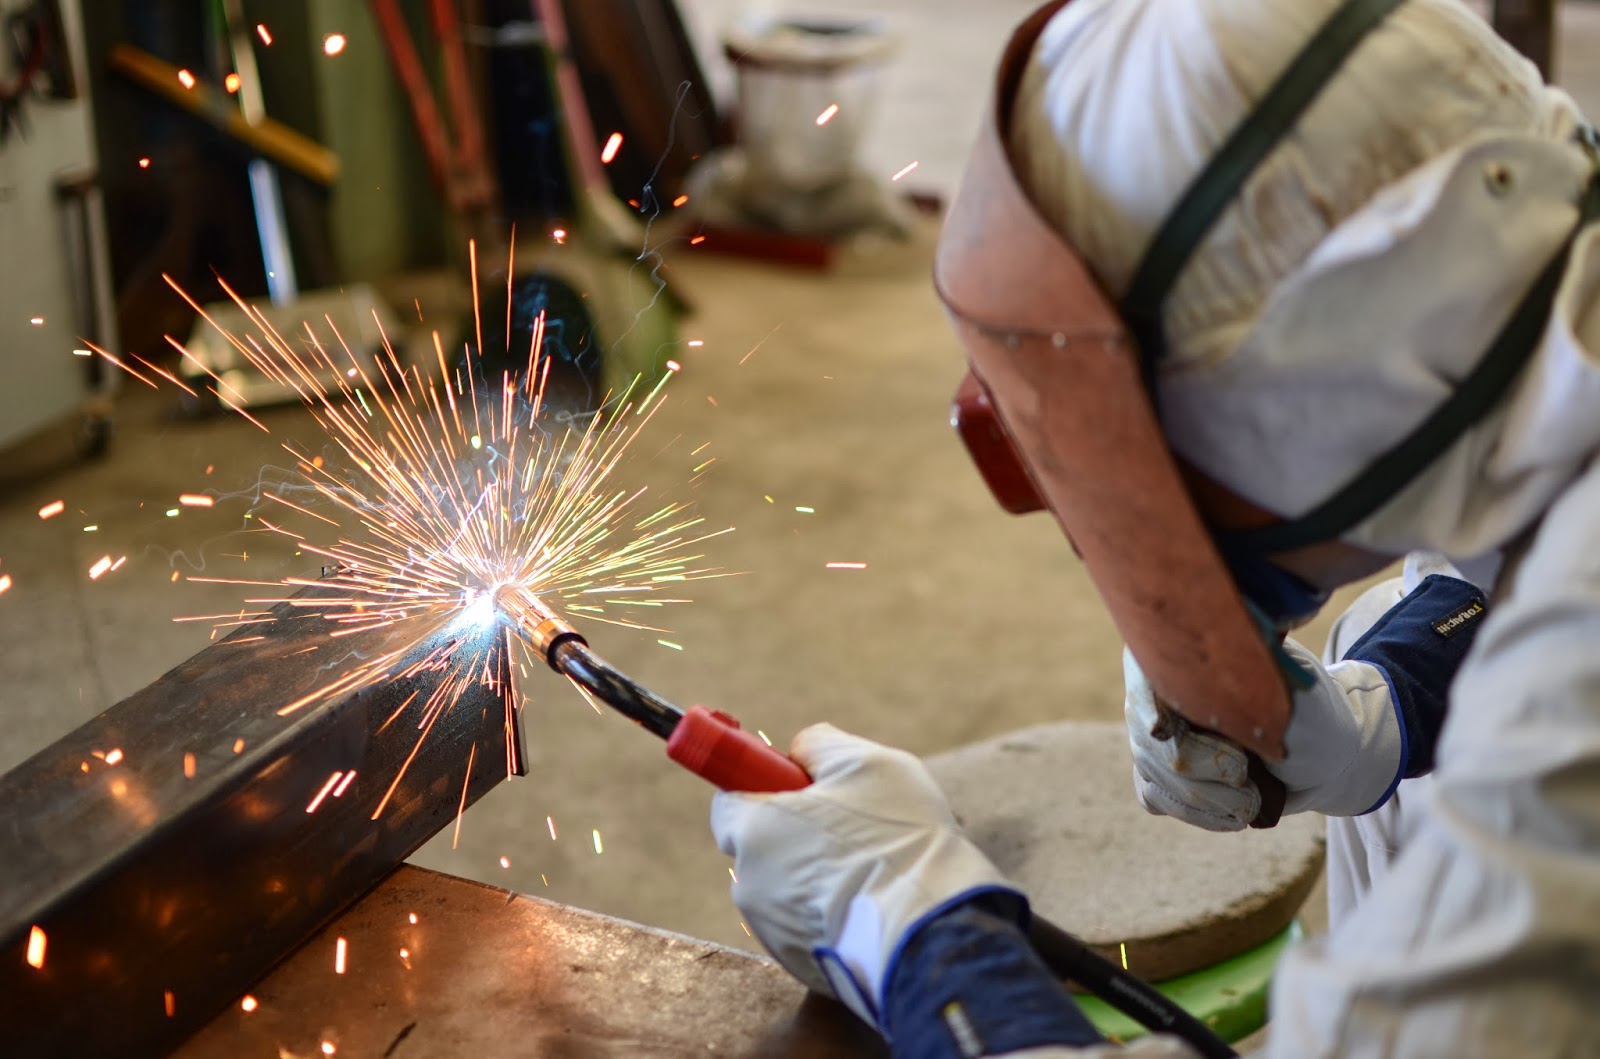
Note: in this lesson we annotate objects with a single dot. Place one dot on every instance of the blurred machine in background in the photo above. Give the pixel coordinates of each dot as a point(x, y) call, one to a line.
point(56, 292)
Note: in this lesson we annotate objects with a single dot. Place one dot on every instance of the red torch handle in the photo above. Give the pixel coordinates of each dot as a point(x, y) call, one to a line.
point(711, 744)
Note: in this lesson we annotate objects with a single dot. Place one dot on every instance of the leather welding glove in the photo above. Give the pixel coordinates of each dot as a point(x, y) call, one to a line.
point(1365, 723)
point(833, 878)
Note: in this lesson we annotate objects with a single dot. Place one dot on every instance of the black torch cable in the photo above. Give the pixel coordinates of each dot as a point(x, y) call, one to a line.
point(573, 658)
point(1070, 959)
point(1067, 957)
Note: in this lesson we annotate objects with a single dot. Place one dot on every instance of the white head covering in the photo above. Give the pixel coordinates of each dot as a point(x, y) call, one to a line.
point(1365, 267)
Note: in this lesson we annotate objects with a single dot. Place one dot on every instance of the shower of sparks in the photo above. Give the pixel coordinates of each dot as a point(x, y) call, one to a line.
point(341, 950)
point(52, 509)
point(598, 846)
point(827, 113)
point(904, 171)
point(448, 488)
point(36, 944)
point(609, 151)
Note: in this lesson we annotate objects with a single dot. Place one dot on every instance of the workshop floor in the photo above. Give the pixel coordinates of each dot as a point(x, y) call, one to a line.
point(825, 392)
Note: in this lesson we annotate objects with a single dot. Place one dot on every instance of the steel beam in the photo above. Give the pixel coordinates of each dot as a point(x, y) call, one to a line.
point(163, 857)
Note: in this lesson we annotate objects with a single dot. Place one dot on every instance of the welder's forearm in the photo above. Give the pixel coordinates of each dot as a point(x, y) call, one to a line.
point(968, 983)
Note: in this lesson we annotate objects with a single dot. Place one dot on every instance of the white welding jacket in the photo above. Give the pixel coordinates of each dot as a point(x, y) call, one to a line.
point(1360, 275)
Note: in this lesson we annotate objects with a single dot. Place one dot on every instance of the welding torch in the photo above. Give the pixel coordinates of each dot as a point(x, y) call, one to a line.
point(711, 744)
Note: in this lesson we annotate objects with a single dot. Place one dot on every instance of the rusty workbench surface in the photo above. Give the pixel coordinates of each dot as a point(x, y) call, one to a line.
point(489, 974)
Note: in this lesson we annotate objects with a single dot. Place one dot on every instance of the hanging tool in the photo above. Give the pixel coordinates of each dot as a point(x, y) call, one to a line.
point(711, 744)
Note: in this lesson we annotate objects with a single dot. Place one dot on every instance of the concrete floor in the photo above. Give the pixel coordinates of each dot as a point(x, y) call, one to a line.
point(830, 393)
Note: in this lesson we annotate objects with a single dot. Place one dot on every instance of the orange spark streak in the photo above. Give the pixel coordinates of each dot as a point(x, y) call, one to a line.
point(846, 566)
point(52, 509)
point(262, 32)
point(101, 565)
point(5, 583)
point(188, 766)
point(348, 776)
point(196, 500)
point(904, 171)
point(36, 946)
point(171, 1003)
point(323, 793)
point(613, 142)
point(113, 755)
point(827, 113)
point(238, 745)
point(461, 810)
point(340, 950)
point(186, 79)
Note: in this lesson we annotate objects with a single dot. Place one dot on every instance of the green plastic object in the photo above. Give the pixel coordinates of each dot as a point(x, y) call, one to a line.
point(1230, 997)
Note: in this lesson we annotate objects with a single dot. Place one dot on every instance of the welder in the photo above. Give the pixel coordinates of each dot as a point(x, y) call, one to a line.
point(1262, 297)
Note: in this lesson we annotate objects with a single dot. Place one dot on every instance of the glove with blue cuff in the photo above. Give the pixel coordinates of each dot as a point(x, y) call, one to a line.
point(831, 879)
point(1367, 722)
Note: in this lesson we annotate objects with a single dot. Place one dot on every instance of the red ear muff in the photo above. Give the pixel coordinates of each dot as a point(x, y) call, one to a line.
point(973, 415)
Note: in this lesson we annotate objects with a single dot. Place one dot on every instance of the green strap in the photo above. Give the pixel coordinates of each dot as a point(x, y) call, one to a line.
point(1480, 391)
point(1219, 183)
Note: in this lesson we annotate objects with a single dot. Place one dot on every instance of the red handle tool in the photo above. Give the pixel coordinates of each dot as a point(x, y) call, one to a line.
point(711, 745)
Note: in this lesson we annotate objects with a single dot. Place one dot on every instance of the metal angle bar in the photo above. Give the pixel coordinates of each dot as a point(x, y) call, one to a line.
point(144, 891)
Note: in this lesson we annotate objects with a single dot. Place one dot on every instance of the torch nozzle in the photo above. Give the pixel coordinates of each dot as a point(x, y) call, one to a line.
point(538, 625)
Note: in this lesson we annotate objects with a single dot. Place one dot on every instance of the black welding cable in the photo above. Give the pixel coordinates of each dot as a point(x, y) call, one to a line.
point(1065, 956)
point(572, 657)
point(1071, 959)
